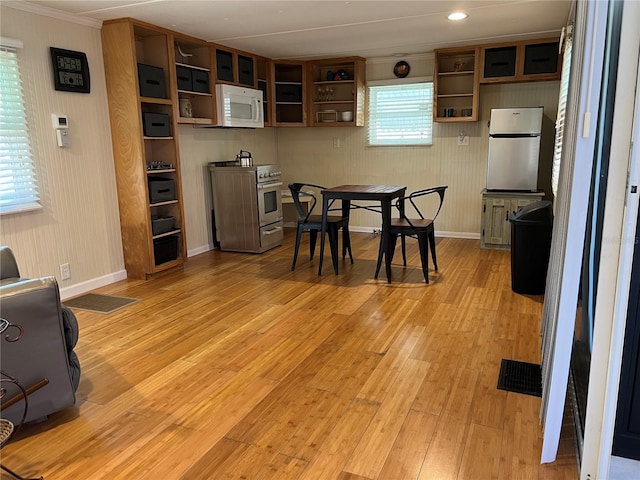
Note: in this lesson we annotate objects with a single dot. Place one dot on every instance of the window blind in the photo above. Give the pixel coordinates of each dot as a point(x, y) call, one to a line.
point(18, 188)
point(562, 110)
point(401, 114)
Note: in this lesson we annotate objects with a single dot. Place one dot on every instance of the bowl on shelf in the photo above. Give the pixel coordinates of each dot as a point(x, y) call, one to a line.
point(346, 116)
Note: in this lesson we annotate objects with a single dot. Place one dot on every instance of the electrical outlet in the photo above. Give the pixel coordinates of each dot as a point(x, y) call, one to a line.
point(336, 143)
point(463, 140)
point(65, 271)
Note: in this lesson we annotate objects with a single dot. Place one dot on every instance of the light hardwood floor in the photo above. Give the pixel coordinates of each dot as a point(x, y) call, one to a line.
point(237, 368)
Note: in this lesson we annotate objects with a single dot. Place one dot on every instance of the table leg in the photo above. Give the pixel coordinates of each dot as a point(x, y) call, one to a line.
point(386, 227)
point(323, 231)
point(346, 239)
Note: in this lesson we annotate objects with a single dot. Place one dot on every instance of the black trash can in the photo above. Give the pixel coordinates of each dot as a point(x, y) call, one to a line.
point(530, 247)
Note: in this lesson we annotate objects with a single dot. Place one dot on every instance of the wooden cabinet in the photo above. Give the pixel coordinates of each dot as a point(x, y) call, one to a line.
point(288, 93)
point(145, 145)
point(195, 85)
point(235, 67)
point(456, 85)
point(458, 73)
point(264, 80)
point(497, 207)
point(336, 93)
point(527, 61)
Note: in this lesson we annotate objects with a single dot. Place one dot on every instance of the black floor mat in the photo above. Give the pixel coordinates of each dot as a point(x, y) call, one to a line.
point(520, 377)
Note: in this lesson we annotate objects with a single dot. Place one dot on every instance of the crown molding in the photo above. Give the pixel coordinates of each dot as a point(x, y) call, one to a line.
point(52, 13)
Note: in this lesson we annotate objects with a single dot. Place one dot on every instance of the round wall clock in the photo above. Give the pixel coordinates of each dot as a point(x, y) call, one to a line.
point(401, 69)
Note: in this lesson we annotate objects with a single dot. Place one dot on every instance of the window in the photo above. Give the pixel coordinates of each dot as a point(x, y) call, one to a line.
point(18, 189)
point(562, 110)
point(401, 114)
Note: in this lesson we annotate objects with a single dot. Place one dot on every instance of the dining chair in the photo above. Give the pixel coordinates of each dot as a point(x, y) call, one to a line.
point(412, 223)
point(307, 221)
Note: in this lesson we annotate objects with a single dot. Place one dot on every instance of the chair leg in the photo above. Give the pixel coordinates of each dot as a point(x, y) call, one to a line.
point(423, 244)
point(15, 475)
point(404, 249)
point(380, 254)
point(346, 244)
point(432, 245)
point(393, 239)
point(333, 244)
point(297, 247)
point(313, 237)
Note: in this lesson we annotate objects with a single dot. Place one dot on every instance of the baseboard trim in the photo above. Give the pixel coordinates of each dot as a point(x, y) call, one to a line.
point(84, 287)
point(198, 250)
point(467, 235)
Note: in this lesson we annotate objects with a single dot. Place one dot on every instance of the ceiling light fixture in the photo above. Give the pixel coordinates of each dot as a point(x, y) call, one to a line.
point(457, 16)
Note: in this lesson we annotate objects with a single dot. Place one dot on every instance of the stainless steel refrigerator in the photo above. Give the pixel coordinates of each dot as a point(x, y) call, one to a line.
point(514, 148)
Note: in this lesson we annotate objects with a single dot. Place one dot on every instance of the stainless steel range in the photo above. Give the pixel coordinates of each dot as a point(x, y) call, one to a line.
point(247, 207)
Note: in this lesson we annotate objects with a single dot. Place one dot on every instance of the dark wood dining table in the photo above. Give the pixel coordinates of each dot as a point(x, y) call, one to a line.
point(385, 194)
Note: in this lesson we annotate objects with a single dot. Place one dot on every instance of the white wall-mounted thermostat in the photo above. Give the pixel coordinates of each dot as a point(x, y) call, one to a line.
point(60, 124)
point(59, 121)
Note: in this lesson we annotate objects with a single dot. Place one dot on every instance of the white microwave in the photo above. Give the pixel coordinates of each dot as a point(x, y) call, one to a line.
point(239, 107)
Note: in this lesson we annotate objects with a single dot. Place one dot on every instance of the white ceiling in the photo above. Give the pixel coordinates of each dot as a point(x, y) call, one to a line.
point(306, 29)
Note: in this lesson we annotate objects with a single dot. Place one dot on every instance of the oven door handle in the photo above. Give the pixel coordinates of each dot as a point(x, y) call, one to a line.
point(272, 231)
point(269, 185)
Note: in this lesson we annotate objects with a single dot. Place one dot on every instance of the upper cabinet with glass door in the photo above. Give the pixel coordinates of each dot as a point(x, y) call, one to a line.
point(528, 61)
point(235, 67)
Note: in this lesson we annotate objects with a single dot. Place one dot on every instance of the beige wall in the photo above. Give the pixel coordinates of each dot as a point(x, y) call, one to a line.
point(198, 147)
point(308, 154)
point(79, 222)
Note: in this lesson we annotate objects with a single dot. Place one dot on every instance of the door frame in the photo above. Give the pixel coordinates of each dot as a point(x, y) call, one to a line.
point(619, 227)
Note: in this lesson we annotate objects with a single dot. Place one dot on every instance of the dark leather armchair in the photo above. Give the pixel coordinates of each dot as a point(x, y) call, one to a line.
point(45, 350)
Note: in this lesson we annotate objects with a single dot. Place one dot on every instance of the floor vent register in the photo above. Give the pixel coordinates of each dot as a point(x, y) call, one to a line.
point(520, 377)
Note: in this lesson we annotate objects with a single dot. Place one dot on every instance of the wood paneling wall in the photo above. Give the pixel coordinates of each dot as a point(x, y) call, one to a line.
point(309, 155)
point(78, 223)
point(199, 147)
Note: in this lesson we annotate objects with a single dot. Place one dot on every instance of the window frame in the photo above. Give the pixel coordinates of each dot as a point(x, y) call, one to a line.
point(18, 177)
point(428, 113)
point(567, 51)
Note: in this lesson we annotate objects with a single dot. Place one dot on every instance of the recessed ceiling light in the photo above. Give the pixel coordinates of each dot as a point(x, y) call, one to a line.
point(457, 16)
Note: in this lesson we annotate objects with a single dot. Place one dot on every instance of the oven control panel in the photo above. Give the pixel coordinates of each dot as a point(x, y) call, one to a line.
point(268, 173)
